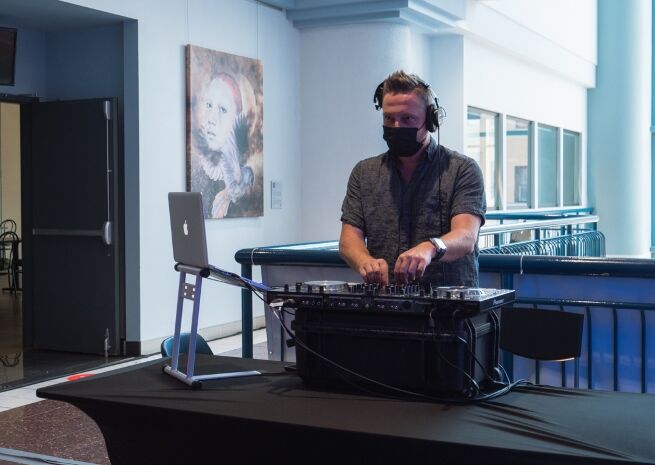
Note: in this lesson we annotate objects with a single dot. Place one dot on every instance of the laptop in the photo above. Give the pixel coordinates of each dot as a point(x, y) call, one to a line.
point(190, 239)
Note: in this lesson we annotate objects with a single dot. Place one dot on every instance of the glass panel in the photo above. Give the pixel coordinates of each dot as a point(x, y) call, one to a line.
point(518, 162)
point(481, 146)
point(571, 171)
point(547, 154)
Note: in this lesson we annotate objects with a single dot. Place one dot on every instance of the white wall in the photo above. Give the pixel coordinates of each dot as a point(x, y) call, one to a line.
point(236, 26)
point(85, 63)
point(502, 83)
point(341, 66)
point(499, 82)
point(312, 140)
point(570, 24)
point(524, 29)
point(447, 80)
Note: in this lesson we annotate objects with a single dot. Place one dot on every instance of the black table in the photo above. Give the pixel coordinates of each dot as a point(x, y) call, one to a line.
point(148, 417)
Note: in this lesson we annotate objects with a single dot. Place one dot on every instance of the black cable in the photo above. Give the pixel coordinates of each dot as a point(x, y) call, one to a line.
point(302, 344)
point(441, 198)
point(505, 389)
point(466, 344)
point(418, 396)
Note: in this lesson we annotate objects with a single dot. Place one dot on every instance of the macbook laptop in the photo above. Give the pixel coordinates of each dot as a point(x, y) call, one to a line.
point(190, 239)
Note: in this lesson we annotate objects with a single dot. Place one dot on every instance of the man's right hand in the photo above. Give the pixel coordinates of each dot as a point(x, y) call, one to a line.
point(374, 270)
point(352, 249)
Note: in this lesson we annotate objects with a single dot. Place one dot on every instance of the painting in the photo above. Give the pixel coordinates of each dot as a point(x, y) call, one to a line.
point(224, 105)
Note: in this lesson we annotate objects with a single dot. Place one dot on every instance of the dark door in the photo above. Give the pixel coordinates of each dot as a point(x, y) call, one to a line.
point(74, 280)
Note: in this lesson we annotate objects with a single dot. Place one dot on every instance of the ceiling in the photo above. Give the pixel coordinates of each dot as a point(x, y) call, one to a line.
point(53, 15)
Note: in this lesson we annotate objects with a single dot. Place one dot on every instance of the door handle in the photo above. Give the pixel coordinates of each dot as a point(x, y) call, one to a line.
point(104, 233)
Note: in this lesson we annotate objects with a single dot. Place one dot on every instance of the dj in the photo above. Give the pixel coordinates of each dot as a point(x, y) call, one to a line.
point(415, 211)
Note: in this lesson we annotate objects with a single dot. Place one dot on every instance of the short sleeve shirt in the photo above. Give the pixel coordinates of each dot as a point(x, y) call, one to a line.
point(396, 216)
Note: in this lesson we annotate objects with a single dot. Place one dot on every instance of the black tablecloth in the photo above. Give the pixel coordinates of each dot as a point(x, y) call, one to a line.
point(147, 416)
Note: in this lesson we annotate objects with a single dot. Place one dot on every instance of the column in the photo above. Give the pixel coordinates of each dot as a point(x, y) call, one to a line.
point(619, 139)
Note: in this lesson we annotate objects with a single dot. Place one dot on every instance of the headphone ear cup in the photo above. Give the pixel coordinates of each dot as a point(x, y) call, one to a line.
point(432, 118)
point(440, 115)
point(377, 96)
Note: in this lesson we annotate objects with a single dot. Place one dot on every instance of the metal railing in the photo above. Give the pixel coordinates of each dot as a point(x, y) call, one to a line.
point(583, 244)
point(542, 214)
point(570, 371)
point(498, 235)
point(617, 298)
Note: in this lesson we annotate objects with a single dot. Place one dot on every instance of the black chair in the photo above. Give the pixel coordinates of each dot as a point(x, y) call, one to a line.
point(201, 345)
point(542, 335)
point(9, 261)
point(7, 225)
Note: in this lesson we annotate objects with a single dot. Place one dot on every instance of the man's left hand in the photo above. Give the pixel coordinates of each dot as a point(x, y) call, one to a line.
point(412, 264)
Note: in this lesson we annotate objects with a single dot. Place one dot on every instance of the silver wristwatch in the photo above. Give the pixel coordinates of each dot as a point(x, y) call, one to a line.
point(440, 245)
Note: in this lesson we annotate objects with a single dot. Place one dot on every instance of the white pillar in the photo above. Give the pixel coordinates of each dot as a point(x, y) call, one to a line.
point(619, 150)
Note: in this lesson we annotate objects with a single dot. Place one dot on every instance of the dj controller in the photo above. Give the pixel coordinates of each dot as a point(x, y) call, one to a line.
point(439, 340)
point(446, 301)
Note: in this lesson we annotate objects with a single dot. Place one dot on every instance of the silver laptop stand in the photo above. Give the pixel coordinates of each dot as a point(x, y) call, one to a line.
point(192, 292)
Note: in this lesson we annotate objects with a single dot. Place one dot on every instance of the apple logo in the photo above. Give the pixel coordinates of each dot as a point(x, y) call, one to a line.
point(185, 228)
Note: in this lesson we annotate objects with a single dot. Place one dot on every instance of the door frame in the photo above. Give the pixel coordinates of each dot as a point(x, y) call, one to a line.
point(28, 224)
point(24, 103)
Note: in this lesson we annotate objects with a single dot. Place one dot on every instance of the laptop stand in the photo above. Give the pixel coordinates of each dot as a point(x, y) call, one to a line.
point(192, 292)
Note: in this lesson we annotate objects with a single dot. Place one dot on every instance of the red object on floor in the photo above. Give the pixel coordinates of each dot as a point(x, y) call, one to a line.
point(79, 376)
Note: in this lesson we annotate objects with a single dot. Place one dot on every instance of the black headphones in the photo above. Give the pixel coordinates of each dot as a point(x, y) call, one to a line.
point(434, 115)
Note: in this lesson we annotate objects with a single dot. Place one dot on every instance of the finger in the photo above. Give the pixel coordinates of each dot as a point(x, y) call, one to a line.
point(363, 272)
point(384, 272)
point(400, 270)
point(372, 272)
point(366, 272)
point(401, 276)
point(420, 269)
point(399, 264)
point(412, 267)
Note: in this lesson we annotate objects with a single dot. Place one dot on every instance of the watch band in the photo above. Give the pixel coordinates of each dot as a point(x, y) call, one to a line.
point(440, 245)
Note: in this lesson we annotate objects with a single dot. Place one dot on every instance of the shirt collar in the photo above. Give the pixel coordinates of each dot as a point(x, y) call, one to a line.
point(432, 150)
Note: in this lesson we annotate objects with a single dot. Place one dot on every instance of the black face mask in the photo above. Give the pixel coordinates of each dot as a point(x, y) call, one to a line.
point(401, 141)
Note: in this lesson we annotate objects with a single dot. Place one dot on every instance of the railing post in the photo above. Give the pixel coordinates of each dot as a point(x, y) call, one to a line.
point(246, 314)
point(507, 282)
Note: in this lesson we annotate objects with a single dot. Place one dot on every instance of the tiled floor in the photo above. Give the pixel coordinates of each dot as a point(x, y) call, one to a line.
point(57, 429)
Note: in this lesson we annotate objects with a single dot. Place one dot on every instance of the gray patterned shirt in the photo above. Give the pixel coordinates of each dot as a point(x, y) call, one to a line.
point(396, 216)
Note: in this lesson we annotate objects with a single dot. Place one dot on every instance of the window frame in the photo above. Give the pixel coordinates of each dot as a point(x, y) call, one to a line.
point(498, 153)
point(500, 175)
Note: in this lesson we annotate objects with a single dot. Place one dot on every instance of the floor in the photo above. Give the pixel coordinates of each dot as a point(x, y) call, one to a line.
point(35, 431)
point(19, 367)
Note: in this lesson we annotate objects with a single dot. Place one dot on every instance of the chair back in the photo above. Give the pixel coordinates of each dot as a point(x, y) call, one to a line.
point(201, 345)
point(541, 334)
point(7, 225)
point(8, 241)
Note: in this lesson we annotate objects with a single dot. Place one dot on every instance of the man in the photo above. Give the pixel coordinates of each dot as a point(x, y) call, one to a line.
point(413, 212)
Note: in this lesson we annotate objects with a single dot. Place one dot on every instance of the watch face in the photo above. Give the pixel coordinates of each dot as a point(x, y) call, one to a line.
point(440, 246)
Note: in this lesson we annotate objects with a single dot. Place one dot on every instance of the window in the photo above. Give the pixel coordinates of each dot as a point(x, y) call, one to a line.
point(482, 146)
point(571, 169)
point(533, 165)
point(547, 155)
point(517, 153)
